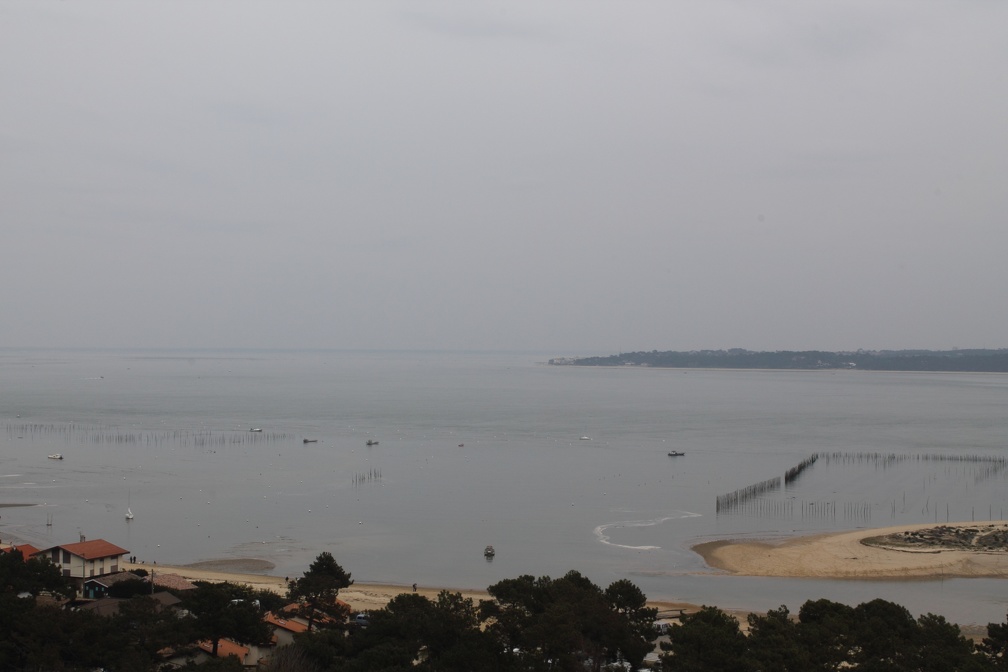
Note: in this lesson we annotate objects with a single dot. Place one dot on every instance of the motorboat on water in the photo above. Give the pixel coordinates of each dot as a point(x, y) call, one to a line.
point(675, 453)
point(129, 513)
point(489, 552)
point(311, 440)
point(585, 438)
point(371, 442)
point(56, 456)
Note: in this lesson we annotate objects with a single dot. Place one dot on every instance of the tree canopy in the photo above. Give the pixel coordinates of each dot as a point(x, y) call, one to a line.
point(226, 610)
point(319, 587)
point(569, 622)
point(874, 636)
point(34, 575)
point(528, 623)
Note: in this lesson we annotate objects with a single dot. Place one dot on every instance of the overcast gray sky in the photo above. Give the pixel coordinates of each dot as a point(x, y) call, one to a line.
point(556, 176)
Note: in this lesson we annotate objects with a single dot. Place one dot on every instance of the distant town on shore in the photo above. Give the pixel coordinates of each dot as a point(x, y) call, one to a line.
point(986, 361)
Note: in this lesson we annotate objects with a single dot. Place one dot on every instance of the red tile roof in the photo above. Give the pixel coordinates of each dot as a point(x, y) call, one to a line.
point(225, 648)
point(27, 550)
point(293, 626)
point(90, 550)
point(320, 617)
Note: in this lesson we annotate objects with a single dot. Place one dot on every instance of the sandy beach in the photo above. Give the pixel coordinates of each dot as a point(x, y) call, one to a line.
point(908, 551)
point(360, 596)
point(927, 551)
point(974, 549)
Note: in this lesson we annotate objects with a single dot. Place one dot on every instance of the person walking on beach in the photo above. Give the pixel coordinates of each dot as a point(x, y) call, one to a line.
point(414, 587)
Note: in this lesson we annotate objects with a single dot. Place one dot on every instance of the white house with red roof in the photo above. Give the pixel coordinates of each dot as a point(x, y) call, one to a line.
point(86, 559)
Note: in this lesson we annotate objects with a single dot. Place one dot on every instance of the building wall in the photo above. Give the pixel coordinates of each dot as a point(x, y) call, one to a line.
point(76, 567)
point(283, 637)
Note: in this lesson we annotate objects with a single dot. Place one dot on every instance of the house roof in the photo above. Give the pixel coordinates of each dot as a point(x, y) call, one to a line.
point(286, 624)
point(27, 550)
point(92, 550)
point(109, 579)
point(166, 599)
point(108, 606)
point(225, 648)
point(172, 581)
point(320, 617)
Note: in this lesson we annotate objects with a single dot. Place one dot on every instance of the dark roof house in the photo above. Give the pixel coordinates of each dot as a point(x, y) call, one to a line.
point(98, 587)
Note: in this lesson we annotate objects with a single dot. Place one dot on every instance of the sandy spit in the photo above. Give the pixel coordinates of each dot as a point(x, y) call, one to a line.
point(843, 555)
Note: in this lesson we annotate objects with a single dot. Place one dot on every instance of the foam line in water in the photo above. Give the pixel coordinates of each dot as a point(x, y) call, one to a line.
point(600, 531)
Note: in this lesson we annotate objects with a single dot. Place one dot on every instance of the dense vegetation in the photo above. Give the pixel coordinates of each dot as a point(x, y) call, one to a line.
point(878, 360)
point(528, 623)
point(876, 635)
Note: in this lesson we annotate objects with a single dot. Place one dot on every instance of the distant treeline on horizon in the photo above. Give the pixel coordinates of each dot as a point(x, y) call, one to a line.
point(986, 361)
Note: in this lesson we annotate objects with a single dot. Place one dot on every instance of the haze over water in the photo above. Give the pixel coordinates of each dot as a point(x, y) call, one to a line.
point(478, 449)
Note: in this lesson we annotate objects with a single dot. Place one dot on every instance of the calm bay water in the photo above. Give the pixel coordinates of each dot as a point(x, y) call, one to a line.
point(478, 449)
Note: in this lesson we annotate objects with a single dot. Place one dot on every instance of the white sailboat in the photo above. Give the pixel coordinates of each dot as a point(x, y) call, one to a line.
point(129, 509)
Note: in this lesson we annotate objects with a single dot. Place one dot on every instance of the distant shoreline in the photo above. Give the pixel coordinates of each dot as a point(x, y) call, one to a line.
point(687, 369)
point(960, 361)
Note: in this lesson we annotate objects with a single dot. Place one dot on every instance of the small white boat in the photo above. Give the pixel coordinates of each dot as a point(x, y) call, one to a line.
point(129, 513)
point(56, 456)
point(255, 429)
point(585, 438)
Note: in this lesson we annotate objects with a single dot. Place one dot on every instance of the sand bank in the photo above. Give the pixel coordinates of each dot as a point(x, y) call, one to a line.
point(882, 553)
